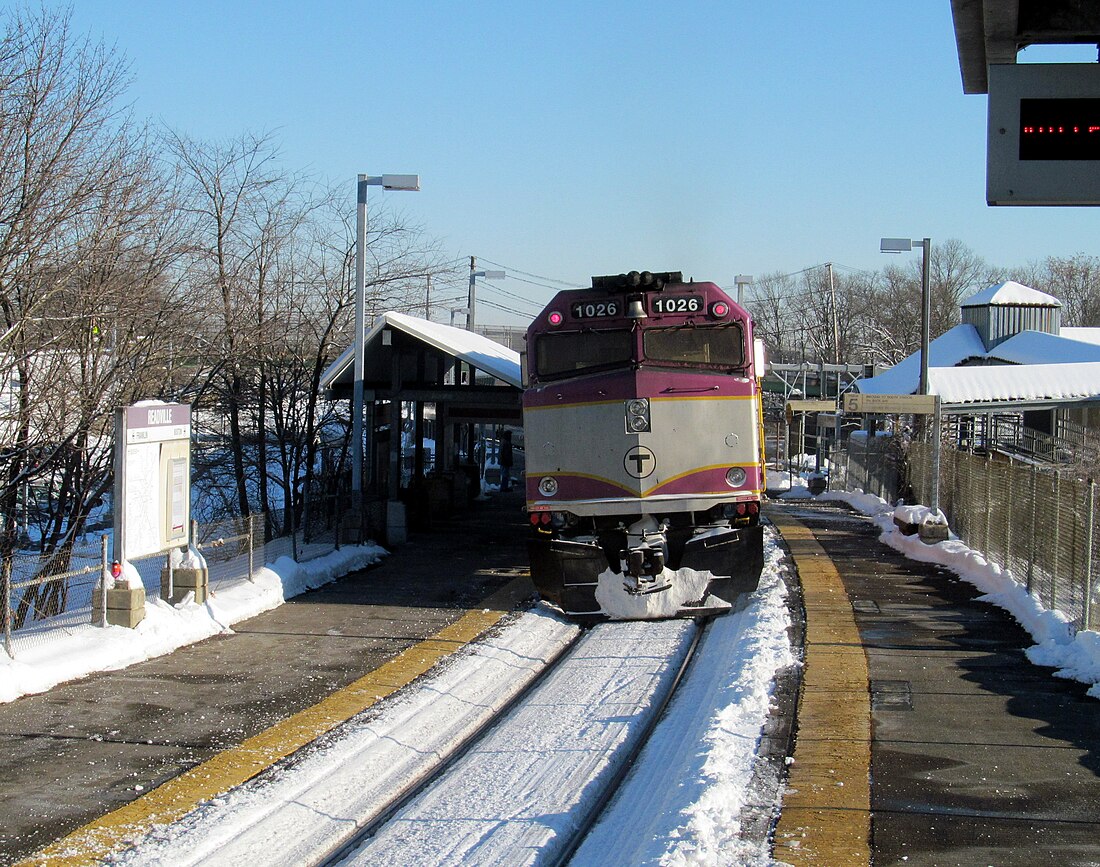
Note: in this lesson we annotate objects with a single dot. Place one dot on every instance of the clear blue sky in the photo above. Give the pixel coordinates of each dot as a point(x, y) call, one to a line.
point(574, 138)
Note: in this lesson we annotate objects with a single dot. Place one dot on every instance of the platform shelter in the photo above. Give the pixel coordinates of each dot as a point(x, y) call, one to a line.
point(428, 391)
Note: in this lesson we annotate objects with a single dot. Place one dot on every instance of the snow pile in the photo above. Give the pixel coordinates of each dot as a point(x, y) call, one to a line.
point(66, 656)
point(686, 586)
point(1075, 656)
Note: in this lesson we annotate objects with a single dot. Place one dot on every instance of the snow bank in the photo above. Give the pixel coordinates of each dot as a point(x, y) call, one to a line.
point(63, 656)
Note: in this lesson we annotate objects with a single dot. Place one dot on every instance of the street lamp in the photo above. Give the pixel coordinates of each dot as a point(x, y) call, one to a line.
point(492, 275)
point(386, 182)
point(904, 245)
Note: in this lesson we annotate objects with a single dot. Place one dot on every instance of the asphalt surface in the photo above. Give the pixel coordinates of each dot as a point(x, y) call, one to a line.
point(977, 757)
point(86, 748)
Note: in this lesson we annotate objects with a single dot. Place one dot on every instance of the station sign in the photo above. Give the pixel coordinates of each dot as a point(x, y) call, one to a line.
point(890, 404)
point(152, 494)
point(812, 405)
point(796, 406)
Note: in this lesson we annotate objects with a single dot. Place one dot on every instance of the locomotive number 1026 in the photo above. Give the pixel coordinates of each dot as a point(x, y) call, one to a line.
point(677, 303)
point(594, 309)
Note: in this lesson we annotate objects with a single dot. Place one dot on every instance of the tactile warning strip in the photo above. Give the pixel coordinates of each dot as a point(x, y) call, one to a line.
point(826, 813)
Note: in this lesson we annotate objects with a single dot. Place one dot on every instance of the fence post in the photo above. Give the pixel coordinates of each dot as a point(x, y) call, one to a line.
point(103, 583)
point(1057, 538)
point(1033, 540)
point(1090, 517)
point(171, 588)
point(8, 569)
point(988, 502)
point(251, 543)
point(1010, 512)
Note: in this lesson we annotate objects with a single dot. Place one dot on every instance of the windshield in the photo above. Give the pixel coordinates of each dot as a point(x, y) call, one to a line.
point(720, 346)
point(572, 351)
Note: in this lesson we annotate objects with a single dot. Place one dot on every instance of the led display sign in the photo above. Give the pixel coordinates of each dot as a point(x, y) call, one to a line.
point(1059, 129)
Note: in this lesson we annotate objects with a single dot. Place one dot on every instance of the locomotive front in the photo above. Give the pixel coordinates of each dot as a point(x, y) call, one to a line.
point(642, 428)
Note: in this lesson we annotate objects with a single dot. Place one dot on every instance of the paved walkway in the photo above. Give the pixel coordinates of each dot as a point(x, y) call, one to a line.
point(977, 756)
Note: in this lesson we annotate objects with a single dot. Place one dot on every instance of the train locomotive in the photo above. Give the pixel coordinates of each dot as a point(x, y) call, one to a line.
point(643, 433)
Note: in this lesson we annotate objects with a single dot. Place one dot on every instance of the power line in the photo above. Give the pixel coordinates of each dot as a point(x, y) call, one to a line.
point(566, 283)
point(496, 306)
point(490, 287)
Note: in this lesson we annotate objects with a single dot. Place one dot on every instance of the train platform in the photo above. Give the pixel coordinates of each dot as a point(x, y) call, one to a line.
point(923, 736)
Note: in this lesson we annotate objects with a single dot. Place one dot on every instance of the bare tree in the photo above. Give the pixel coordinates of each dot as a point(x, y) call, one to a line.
point(83, 246)
point(1075, 281)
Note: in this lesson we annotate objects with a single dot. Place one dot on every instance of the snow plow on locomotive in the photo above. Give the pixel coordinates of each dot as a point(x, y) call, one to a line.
point(644, 443)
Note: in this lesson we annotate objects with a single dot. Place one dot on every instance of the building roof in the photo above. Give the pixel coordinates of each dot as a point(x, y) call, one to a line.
point(995, 386)
point(1031, 366)
point(955, 346)
point(1011, 293)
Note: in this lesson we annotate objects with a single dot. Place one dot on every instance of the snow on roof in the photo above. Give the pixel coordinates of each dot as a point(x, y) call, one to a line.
point(1015, 382)
point(1038, 347)
point(1083, 335)
point(949, 349)
point(486, 355)
point(1011, 292)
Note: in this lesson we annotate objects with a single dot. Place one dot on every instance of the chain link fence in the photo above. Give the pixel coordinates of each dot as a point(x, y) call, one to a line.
point(43, 597)
point(872, 464)
point(1038, 523)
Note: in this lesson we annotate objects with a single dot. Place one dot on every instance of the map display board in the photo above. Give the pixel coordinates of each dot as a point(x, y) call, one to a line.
point(152, 478)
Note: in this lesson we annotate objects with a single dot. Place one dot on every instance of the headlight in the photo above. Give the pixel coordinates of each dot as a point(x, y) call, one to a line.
point(548, 486)
point(735, 477)
point(637, 415)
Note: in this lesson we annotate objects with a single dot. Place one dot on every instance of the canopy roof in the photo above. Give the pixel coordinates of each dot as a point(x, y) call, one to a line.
point(1032, 368)
point(486, 355)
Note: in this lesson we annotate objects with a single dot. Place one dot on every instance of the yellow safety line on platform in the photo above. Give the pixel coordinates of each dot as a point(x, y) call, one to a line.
point(177, 797)
point(826, 814)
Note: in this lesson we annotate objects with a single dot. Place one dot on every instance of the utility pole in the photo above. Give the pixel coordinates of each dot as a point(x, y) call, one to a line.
point(428, 299)
point(836, 324)
point(470, 296)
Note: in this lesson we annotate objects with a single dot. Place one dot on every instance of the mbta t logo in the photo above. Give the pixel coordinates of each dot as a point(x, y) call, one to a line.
point(640, 462)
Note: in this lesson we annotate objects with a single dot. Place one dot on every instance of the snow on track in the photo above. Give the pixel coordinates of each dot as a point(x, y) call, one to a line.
point(294, 814)
point(683, 800)
point(510, 800)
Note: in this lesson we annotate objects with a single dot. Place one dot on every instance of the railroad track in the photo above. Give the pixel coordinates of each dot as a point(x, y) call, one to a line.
point(529, 786)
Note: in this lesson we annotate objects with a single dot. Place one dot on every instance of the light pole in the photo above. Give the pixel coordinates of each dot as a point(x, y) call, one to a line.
point(904, 245)
point(492, 275)
point(386, 182)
